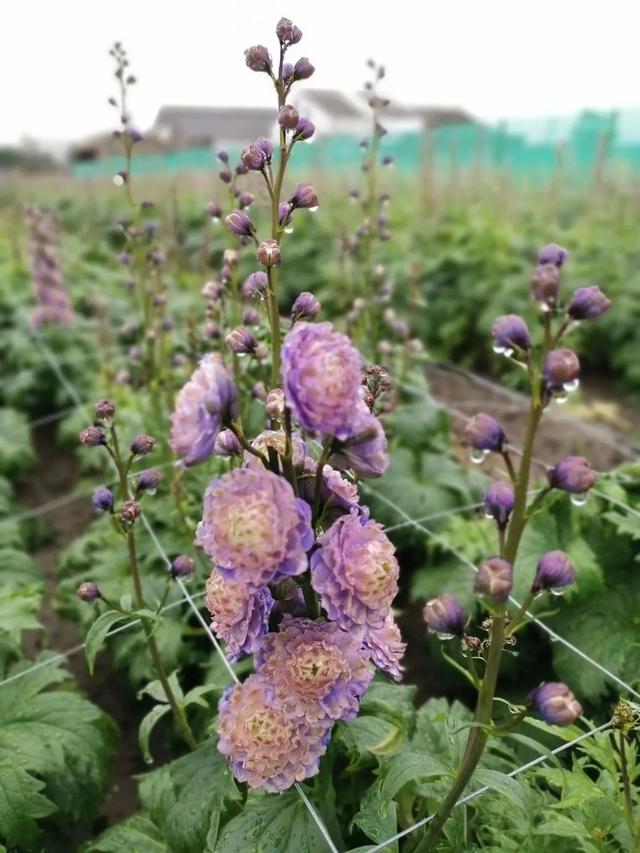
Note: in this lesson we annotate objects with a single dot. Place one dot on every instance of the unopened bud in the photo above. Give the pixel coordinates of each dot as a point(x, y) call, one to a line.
point(494, 579)
point(241, 341)
point(444, 615)
point(483, 432)
point(304, 195)
point(499, 500)
point(555, 703)
point(105, 410)
point(561, 369)
point(93, 436)
point(103, 499)
point(588, 303)
point(182, 566)
point(511, 332)
point(130, 511)
point(268, 253)
point(554, 572)
point(306, 307)
point(258, 58)
point(142, 444)
point(88, 591)
point(545, 283)
point(288, 117)
point(303, 69)
point(240, 224)
point(552, 253)
point(274, 404)
point(148, 481)
point(573, 474)
point(227, 444)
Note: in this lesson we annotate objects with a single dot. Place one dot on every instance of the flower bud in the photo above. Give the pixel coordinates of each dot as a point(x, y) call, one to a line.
point(258, 58)
point(142, 444)
point(225, 175)
point(444, 615)
point(227, 444)
point(288, 117)
point(387, 160)
point(88, 591)
point(499, 500)
point(483, 432)
point(230, 257)
point(212, 290)
point(261, 351)
point(274, 404)
point(287, 32)
point(305, 130)
point(588, 303)
point(561, 370)
point(554, 572)
point(223, 156)
point(103, 499)
point(259, 391)
point(241, 341)
point(214, 210)
point(555, 703)
point(92, 436)
point(253, 158)
point(246, 200)
point(148, 481)
point(255, 285)
point(306, 307)
point(545, 283)
point(510, 332)
point(211, 330)
point(268, 253)
point(304, 195)
point(287, 71)
point(124, 258)
point(303, 69)
point(105, 410)
point(130, 511)
point(265, 146)
point(250, 316)
point(552, 254)
point(495, 579)
point(573, 474)
point(240, 224)
point(182, 566)
point(285, 209)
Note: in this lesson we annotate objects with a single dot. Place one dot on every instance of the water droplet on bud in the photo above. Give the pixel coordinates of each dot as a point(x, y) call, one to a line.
point(312, 209)
point(148, 759)
point(499, 350)
point(288, 229)
point(557, 592)
point(561, 399)
point(489, 516)
point(478, 456)
point(118, 180)
point(579, 499)
point(441, 636)
point(571, 386)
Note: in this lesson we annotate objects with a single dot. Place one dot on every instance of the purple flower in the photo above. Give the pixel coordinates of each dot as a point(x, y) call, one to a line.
point(239, 616)
point(241, 341)
point(511, 332)
point(554, 571)
point(555, 703)
point(444, 615)
point(552, 253)
point(499, 500)
point(253, 158)
point(318, 671)
point(288, 117)
point(255, 285)
point(305, 130)
point(303, 69)
point(266, 747)
point(207, 402)
point(573, 474)
point(258, 58)
point(88, 591)
point(321, 376)
point(588, 303)
point(545, 283)
point(268, 253)
point(287, 32)
point(386, 648)
point(337, 494)
point(305, 196)
point(142, 444)
point(305, 307)
point(227, 444)
point(365, 453)
point(148, 481)
point(103, 499)
point(355, 572)
point(240, 224)
point(561, 369)
point(494, 579)
point(483, 432)
point(182, 566)
point(93, 436)
point(254, 528)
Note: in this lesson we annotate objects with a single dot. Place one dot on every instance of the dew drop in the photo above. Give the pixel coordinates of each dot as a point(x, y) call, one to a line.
point(442, 636)
point(561, 399)
point(118, 180)
point(288, 230)
point(579, 499)
point(148, 759)
point(557, 592)
point(312, 209)
point(151, 491)
point(478, 456)
point(545, 308)
point(507, 352)
point(499, 350)
point(489, 516)
point(571, 386)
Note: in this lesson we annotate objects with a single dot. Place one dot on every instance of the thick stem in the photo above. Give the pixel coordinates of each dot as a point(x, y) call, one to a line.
point(626, 790)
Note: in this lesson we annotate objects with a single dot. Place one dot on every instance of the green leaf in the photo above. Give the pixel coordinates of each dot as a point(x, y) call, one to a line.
point(272, 823)
point(16, 452)
point(406, 767)
point(377, 815)
point(17, 608)
point(18, 568)
point(21, 804)
point(137, 834)
point(509, 788)
point(146, 727)
point(98, 632)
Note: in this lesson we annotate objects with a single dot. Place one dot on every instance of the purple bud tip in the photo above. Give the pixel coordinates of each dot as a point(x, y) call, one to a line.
point(105, 410)
point(240, 224)
point(274, 404)
point(287, 32)
point(268, 253)
point(387, 160)
point(285, 209)
point(88, 591)
point(225, 175)
point(573, 474)
point(303, 69)
point(554, 571)
point(588, 303)
point(555, 703)
point(223, 156)
point(130, 511)
point(305, 130)
point(148, 481)
point(142, 444)
point(250, 316)
point(124, 258)
point(258, 58)
point(511, 332)
point(552, 253)
point(561, 367)
point(499, 500)
point(444, 615)
point(256, 284)
point(545, 283)
point(135, 136)
point(241, 341)
point(212, 290)
point(214, 210)
point(495, 579)
point(253, 158)
point(182, 566)
point(93, 436)
point(246, 200)
point(227, 444)
point(103, 499)
point(304, 195)
point(288, 117)
point(306, 307)
point(483, 432)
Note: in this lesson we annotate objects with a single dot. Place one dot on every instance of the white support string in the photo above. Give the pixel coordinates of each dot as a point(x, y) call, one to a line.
point(549, 631)
point(485, 789)
point(312, 811)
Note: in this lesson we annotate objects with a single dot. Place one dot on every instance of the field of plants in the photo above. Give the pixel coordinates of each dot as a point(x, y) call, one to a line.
point(319, 503)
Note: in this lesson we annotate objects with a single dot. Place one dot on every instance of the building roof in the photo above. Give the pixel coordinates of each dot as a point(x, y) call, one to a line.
point(430, 116)
point(201, 124)
point(333, 102)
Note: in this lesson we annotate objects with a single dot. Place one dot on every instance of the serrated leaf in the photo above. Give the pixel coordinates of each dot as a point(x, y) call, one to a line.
point(98, 633)
point(146, 727)
point(137, 834)
point(21, 804)
point(17, 608)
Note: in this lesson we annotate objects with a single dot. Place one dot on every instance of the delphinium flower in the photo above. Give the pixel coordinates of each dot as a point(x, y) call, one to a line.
point(386, 647)
point(203, 406)
point(239, 616)
point(553, 370)
point(52, 302)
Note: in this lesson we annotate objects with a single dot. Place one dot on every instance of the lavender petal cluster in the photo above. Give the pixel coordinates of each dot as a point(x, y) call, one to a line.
point(52, 301)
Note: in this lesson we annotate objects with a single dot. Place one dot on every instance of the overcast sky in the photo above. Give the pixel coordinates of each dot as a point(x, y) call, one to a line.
point(497, 58)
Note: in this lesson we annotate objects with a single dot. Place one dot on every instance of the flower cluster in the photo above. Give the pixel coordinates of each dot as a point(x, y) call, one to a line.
point(53, 305)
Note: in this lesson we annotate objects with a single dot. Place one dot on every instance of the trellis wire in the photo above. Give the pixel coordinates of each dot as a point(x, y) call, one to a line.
point(71, 390)
point(485, 789)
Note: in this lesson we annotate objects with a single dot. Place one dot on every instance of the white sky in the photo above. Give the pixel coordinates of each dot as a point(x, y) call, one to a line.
point(497, 58)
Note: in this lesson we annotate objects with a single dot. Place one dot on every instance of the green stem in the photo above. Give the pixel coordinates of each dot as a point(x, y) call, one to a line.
point(626, 789)
point(327, 450)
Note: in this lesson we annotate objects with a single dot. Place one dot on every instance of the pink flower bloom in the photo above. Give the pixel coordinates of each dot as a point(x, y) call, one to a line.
point(317, 669)
point(338, 495)
point(254, 528)
point(386, 648)
point(355, 572)
point(204, 405)
point(365, 453)
point(267, 747)
point(239, 617)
